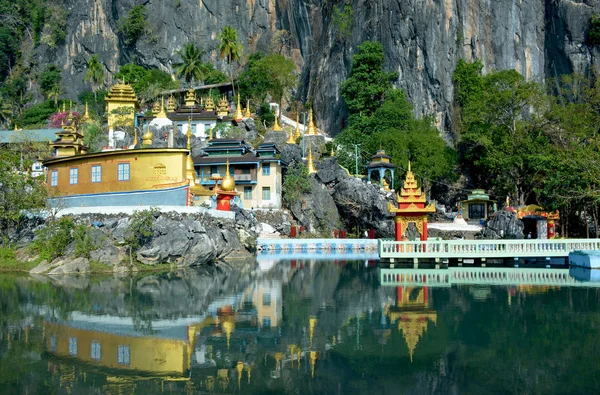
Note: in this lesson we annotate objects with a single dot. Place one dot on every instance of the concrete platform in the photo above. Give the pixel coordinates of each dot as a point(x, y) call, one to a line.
point(585, 259)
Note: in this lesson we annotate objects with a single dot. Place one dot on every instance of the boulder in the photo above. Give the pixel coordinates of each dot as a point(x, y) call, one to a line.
point(503, 225)
point(63, 266)
point(330, 172)
point(250, 131)
point(316, 210)
point(364, 205)
point(291, 153)
point(278, 137)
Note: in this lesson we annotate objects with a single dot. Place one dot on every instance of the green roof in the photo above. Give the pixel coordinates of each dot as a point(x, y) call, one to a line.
point(15, 136)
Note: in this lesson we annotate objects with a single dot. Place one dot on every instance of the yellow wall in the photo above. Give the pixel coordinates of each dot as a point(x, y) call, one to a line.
point(145, 171)
point(145, 353)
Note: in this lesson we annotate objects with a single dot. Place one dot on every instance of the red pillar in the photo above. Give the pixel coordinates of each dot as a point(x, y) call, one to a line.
point(399, 295)
point(426, 295)
point(398, 229)
point(223, 203)
point(424, 234)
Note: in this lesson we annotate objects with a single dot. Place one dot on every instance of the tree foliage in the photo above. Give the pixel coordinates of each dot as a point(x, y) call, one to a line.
point(342, 20)
point(295, 183)
point(382, 117)
point(133, 25)
point(190, 67)
point(230, 48)
point(19, 192)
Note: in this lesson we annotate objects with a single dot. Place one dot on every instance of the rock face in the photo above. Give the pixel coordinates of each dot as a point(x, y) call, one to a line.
point(316, 210)
point(422, 40)
point(503, 225)
point(180, 239)
point(361, 204)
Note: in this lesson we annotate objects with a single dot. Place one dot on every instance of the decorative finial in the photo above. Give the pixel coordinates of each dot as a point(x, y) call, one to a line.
point(332, 153)
point(409, 167)
point(210, 135)
point(64, 109)
point(248, 114)
point(276, 125)
point(189, 133)
point(310, 164)
point(162, 113)
point(238, 110)
point(311, 129)
point(297, 132)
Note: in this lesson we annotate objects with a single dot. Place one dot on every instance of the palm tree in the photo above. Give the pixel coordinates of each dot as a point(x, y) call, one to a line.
point(95, 74)
point(191, 66)
point(230, 48)
point(54, 93)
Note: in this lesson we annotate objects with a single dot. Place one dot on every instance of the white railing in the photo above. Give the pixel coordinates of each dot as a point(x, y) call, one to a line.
point(488, 276)
point(484, 248)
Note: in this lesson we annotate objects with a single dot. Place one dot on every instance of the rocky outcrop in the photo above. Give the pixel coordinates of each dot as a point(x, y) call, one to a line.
point(316, 210)
point(179, 239)
point(422, 42)
point(361, 204)
point(503, 225)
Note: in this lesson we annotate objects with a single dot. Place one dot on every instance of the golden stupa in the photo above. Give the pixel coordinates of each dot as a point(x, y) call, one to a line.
point(228, 183)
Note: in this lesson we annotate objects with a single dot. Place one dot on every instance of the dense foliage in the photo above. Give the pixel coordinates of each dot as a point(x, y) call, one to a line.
point(133, 25)
point(536, 147)
point(295, 183)
point(382, 117)
point(18, 190)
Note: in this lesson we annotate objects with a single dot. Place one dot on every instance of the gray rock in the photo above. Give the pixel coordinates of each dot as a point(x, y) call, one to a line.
point(316, 210)
point(330, 172)
point(278, 137)
point(291, 153)
point(63, 266)
point(503, 225)
point(250, 132)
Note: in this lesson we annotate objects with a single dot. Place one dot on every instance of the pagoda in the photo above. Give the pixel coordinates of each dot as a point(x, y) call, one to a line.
point(411, 207)
point(380, 163)
point(225, 190)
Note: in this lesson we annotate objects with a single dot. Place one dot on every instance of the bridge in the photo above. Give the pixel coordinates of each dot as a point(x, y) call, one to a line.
point(481, 276)
point(458, 249)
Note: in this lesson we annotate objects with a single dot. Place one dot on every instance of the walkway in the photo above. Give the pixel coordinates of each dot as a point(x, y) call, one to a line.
point(445, 249)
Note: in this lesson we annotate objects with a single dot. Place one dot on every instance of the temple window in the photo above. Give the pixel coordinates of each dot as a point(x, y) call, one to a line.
point(476, 211)
point(266, 193)
point(53, 343)
point(73, 346)
point(160, 170)
point(247, 193)
point(266, 169)
point(266, 322)
point(54, 178)
point(214, 170)
point(96, 350)
point(266, 299)
point(73, 175)
point(123, 355)
point(96, 173)
point(123, 171)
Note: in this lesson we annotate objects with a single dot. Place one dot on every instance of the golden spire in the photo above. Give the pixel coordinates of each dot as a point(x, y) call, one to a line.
point(313, 362)
point(312, 322)
point(240, 368)
point(228, 183)
point(299, 354)
point(147, 138)
point(64, 107)
point(310, 164)
point(292, 350)
point(248, 114)
point(291, 139)
point(210, 135)
point(190, 97)
point(189, 133)
point(171, 104)
point(223, 107)
point(311, 129)
point(155, 108)
point(238, 110)
point(248, 370)
point(135, 138)
point(228, 328)
point(276, 125)
point(332, 153)
point(86, 117)
point(297, 132)
point(16, 128)
point(162, 113)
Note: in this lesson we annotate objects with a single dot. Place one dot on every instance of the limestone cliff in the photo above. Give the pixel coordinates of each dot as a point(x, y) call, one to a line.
point(423, 40)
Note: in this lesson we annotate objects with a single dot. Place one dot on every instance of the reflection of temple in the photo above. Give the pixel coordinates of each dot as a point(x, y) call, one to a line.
point(413, 315)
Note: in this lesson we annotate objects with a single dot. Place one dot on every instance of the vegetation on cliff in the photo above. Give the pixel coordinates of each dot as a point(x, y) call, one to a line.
point(382, 117)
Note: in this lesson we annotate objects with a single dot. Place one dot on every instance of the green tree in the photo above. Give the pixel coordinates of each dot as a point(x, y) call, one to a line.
point(280, 74)
point(19, 192)
point(94, 74)
point(50, 82)
point(133, 75)
point(139, 230)
point(367, 85)
point(253, 82)
point(342, 20)
point(230, 48)
point(191, 66)
point(133, 25)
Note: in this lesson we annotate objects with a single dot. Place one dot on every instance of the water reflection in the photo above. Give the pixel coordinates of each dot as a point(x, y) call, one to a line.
point(300, 326)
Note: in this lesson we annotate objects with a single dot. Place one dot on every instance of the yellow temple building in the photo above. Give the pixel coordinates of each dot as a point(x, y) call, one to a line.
point(121, 104)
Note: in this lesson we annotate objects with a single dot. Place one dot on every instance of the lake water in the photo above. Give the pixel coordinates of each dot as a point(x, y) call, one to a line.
point(320, 327)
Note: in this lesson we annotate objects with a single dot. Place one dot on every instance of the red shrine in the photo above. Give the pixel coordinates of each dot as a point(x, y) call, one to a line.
point(411, 208)
point(225, 191)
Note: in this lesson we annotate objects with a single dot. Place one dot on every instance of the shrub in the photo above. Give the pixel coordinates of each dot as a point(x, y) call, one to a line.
point(84, 244)
point(139, 230)
point(266, 114)
point(295, 183)
point(593, 34)
point(133, 25)
point(51, 241)
point(49, 78)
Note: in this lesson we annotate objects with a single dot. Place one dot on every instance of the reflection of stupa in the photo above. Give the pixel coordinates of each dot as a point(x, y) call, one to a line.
point(413, 315)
